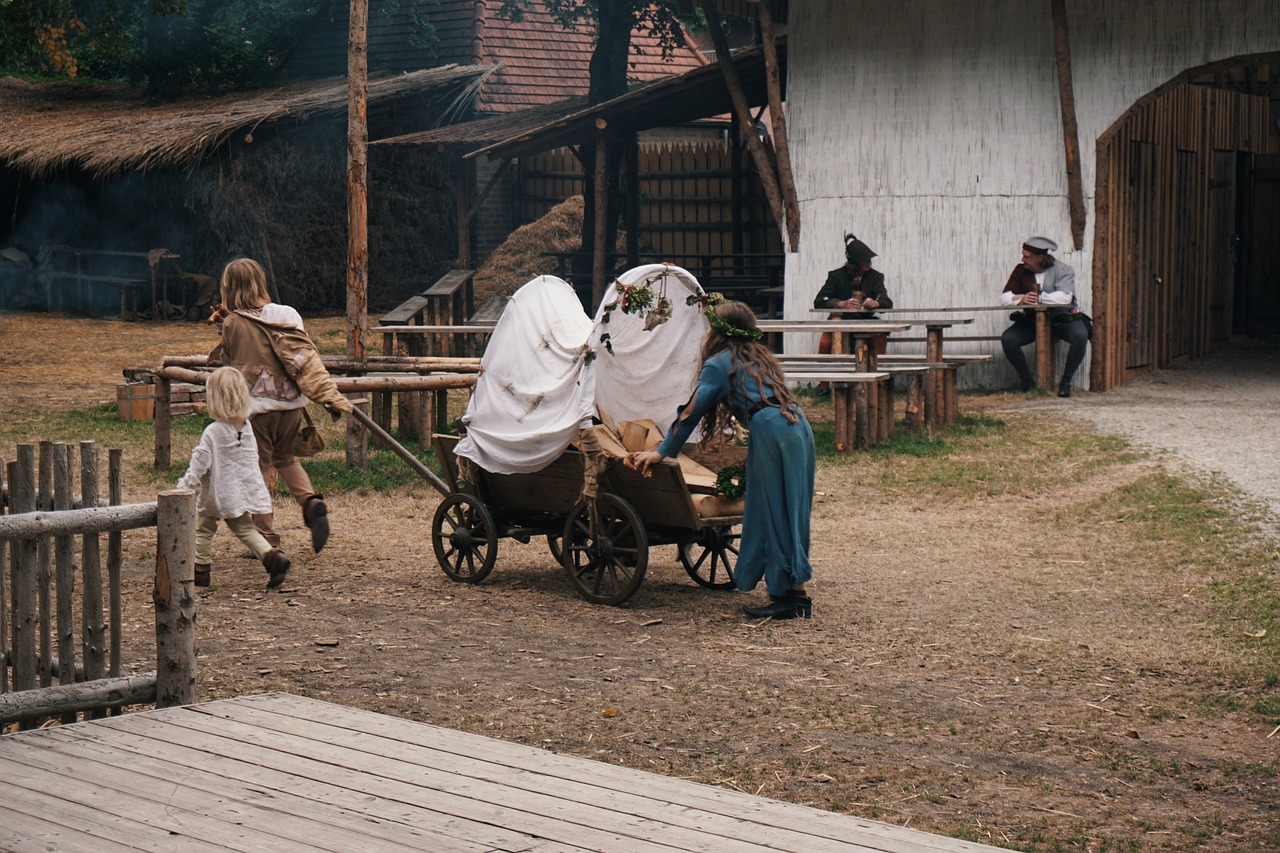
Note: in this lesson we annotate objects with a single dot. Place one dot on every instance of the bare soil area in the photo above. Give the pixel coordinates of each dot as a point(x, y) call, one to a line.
point(1009, 642)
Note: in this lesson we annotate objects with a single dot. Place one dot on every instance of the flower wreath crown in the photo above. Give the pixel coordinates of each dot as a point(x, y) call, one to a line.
point(711, 300)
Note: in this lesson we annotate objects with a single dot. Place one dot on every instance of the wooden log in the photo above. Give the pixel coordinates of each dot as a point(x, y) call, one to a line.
point(92, 632)
point(163, 420)
point(600, 237)
point(44, 562)
point(70, 698)
point(30, 526)
point(380, 363)
point(914, 407)
point(862, 414)
point(64, 565)
point(174, 598)
point(115, 559)
point(22, 495)
point(345, 384)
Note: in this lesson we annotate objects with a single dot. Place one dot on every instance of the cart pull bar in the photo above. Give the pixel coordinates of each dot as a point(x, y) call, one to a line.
point(412, 461)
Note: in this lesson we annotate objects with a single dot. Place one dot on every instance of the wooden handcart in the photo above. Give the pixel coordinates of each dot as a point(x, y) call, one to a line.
point(603, 542)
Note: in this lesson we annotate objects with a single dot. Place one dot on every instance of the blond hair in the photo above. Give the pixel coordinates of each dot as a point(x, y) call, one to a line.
point(244, 285)
point(227, 394)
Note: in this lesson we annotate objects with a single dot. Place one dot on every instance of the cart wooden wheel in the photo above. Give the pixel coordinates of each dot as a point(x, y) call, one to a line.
point(711, 559)
point(606, 549)
point(465, 538)
point(554, 541)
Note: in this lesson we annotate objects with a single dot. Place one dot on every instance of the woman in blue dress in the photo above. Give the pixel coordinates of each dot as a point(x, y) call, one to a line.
point(741, 377)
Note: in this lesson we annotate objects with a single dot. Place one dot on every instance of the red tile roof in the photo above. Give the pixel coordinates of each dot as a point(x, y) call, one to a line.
point(542, 62)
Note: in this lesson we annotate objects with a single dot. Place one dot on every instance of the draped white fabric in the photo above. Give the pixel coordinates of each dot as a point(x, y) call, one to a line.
point(536, 388)
point(649, 374)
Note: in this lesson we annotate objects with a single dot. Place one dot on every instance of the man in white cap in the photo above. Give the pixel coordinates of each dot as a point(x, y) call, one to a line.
point(1042, 280)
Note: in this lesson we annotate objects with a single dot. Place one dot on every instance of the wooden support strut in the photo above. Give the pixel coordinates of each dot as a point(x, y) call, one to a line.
point(768, 177)
point(1070, 127)
point(781, 146)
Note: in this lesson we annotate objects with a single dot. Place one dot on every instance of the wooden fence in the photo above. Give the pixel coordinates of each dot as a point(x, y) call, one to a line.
point(39, 611)
point(699, 198)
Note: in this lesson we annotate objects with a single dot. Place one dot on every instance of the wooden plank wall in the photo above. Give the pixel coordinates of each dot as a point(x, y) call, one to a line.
point(1158, 212)
point(686, 198)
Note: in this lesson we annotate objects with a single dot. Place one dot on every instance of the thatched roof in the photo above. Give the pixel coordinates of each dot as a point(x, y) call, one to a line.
point(107, 129)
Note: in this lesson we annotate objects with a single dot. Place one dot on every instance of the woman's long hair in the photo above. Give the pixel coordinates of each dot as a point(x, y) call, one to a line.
point(759, 362)
point(244, 285)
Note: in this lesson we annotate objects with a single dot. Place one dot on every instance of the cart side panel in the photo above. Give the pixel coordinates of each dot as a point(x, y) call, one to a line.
point(661, 500)
point(554, 490)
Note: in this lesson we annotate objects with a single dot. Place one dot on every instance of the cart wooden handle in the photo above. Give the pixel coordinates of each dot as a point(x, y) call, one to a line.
point(412, 461)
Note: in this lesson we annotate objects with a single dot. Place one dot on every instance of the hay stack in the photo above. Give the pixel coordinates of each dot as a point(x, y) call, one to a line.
point(520, 257)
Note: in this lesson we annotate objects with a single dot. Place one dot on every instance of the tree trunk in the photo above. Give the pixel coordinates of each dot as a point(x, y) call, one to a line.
point(358, 209)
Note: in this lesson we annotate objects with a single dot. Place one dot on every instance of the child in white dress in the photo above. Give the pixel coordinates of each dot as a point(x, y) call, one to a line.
point(227, 481)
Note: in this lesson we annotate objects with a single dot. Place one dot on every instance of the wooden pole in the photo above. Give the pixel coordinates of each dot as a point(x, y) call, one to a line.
point(462, 200)
point(764, 164)
point(600, 246)
point(773, 85)
point(44, 561)
point(4, 603)
point(91, 570)
point(64, 566)
point(174, 598)
point(115, 557)
point(357, 209)
point(22, 497)
point(162, 423)
point(1070, 128)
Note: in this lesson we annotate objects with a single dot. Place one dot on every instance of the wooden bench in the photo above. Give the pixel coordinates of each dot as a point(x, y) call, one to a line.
point(861, 420)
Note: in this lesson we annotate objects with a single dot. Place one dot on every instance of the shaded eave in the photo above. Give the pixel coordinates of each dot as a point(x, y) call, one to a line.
point(680, 99)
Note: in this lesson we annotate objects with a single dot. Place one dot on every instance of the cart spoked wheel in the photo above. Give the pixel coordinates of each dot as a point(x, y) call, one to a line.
point(606, 549)
point(465, 538)
point(711, 559)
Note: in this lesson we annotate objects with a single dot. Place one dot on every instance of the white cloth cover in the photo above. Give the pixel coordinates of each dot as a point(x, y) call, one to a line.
point(536, 387)
point(649, 374)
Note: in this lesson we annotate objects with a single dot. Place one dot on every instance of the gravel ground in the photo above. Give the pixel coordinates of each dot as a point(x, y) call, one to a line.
point(1218, 415)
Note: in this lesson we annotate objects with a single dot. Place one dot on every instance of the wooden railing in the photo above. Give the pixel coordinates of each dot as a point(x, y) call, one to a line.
point(38, 624)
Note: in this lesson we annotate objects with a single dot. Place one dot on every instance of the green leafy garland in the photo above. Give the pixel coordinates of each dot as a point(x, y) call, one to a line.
point(711, 300)
point(731, 482)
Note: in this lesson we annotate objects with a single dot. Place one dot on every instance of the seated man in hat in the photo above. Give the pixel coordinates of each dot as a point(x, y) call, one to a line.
point(854, 285)
point(1042, 280)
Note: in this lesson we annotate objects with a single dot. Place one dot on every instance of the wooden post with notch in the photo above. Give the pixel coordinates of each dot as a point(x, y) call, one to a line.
point(357, 210)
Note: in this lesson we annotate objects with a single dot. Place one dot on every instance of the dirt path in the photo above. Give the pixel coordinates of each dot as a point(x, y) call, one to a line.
point(1219, 416)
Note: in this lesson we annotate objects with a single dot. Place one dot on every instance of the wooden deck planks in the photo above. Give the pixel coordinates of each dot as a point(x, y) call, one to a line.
point(278, 772)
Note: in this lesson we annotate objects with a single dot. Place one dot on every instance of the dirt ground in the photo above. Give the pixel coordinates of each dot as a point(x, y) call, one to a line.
point(1022, 665)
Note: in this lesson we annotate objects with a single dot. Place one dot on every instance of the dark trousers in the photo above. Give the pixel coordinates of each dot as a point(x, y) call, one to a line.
point(1023, 332)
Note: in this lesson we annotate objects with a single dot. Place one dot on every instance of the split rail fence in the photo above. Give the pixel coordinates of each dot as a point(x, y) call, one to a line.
point(46, 670)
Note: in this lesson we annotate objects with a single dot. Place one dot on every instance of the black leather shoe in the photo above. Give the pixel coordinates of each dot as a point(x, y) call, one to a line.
point(1024, 386)
point(1064, 390)
point(783, 607)
point(277, 566)
point(315, 514)
point(204, 574)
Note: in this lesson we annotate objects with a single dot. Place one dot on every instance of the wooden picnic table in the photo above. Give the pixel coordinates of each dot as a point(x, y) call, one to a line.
point(940, 384)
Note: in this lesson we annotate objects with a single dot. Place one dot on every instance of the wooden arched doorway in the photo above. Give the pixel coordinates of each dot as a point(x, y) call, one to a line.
point(1188, 182)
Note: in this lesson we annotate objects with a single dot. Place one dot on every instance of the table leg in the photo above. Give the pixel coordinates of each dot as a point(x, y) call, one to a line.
point(914, 409)
point(842, 404)
point(1044, 351)
point(885, 406)
point(864, 419)
point(935, 406)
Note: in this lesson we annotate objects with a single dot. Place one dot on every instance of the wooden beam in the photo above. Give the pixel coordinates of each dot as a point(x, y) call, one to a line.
point(768, 177)
point(357, 207)
point(1070, 127)
point(600, 246)
point(484, 193)
point(781, 147)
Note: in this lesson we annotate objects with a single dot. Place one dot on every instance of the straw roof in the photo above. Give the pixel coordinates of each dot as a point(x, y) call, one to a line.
point(107, 129)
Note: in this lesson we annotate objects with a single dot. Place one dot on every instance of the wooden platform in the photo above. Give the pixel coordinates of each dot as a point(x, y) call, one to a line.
point(282, 773)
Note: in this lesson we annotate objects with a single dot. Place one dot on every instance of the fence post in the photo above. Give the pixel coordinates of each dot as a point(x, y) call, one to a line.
point(22, 498)
point(174, 598)
point(92, 631)
point(161, 423)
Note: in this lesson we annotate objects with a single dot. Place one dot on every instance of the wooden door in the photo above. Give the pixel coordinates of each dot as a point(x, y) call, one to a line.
point(1142, 279)
point(1184, 279)
point(1261, 293)
point(1222, 245)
